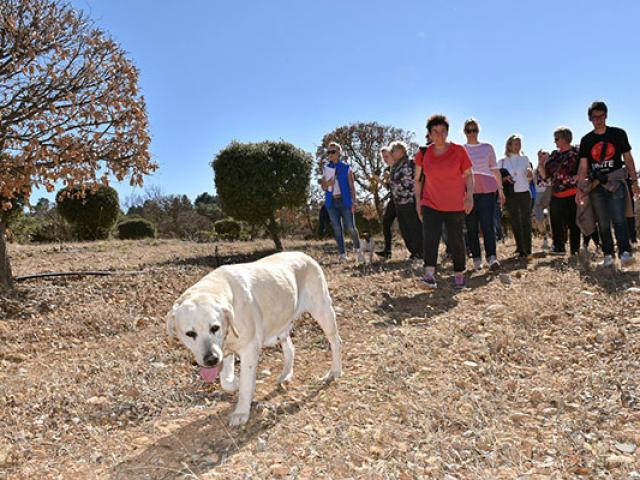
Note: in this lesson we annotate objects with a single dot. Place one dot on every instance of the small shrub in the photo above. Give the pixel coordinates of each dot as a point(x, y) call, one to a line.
point(136, 228)
point(51, 227)
point(92, 213)
point(228, 229)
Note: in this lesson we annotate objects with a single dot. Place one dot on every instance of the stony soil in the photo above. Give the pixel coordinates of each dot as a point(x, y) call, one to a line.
point(532, 373)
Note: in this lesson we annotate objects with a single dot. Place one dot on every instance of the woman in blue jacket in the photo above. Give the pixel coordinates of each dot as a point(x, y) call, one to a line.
point(340, 200)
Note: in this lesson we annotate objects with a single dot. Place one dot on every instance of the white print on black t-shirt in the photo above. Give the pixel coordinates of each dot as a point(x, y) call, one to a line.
point(596, 154)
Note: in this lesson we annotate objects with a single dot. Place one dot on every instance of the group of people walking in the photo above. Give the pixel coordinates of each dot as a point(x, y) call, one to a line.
point(448, 187)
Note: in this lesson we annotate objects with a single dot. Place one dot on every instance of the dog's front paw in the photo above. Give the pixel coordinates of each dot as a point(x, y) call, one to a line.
point(229, 387)
point(331, 376)
point(285, 378)
point(237, 419)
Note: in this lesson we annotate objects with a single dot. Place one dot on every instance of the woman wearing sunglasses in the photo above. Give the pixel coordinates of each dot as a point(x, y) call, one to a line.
point(487, 186)
point(340, 200)
point(561, 168)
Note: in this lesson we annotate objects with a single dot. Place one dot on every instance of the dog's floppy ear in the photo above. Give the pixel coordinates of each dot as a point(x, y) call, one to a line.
point(171, 324)
point(230, 317)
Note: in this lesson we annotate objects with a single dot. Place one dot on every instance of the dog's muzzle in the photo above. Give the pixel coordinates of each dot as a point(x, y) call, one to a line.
point(211, 360)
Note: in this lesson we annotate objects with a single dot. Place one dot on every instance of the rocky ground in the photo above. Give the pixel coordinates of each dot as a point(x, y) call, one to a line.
point(531, 373)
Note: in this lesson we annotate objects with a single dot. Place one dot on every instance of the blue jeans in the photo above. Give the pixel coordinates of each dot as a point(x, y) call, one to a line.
point(483, 215)
point(343, 217)
point(609, 209)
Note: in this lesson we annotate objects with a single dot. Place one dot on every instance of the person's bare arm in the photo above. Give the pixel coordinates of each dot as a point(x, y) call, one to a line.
point(583, 168)
point(631, 169)
point(468, 197)
point(352, 187)
point(498, 177)
point(418, 189)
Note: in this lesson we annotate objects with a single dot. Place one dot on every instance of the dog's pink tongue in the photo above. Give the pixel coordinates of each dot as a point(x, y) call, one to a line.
point(209, 374)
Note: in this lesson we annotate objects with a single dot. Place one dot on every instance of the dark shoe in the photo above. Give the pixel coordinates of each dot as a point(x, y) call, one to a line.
point(383, 254)
point(429, 281)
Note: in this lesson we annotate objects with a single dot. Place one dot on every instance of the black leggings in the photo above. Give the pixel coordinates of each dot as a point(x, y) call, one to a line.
point(387, 220)
point(519, 208)
point(563, 217)
point(432, 222)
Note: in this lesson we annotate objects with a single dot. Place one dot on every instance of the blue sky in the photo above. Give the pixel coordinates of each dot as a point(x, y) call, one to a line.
point(214, 71)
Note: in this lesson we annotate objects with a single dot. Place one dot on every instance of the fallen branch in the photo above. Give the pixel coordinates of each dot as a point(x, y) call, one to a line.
point(99, 273)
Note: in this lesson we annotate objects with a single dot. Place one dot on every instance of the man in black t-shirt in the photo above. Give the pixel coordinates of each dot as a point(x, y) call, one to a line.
point(604, 152)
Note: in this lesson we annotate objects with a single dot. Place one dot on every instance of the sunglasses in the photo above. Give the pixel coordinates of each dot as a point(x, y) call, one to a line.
point(331, 152)
point(471, 130)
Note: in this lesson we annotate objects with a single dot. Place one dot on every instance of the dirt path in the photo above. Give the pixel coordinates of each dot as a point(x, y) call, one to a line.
point(530, 375)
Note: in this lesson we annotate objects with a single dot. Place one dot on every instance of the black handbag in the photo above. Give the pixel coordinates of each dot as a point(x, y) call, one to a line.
point(507, 187)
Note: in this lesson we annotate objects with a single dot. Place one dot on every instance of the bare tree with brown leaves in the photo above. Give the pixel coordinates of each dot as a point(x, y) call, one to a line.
point(361, 143)
point(70, 107)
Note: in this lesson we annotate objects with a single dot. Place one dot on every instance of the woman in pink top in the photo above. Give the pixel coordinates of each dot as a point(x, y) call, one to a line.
point(487, 184)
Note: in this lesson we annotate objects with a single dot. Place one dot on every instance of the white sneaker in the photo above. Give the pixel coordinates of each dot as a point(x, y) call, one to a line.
point(477, 264)
point(608, 261)
point(626, 259)
point(494, 264)
point(343, 257)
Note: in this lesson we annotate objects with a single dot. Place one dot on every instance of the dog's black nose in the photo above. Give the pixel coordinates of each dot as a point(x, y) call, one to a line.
point(211, 359)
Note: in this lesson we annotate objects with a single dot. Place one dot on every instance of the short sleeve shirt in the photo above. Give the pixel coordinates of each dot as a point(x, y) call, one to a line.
point(483, 158)
point(561, 169)
point(617, 143)
point(518, 167)
point(444, 187)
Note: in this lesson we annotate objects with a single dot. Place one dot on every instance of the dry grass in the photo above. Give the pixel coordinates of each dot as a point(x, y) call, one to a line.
point(534, 375)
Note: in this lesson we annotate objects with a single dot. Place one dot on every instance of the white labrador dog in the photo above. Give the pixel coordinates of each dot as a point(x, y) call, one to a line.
point(238, 309)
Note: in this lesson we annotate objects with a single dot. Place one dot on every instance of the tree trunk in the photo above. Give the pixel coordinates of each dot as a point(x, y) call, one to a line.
point(378, 204)
point(273, 229)
point(307, 215)
point(6, 278)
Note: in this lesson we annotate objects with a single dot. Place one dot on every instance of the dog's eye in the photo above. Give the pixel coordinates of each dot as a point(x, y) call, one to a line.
point(214, 328)
point(191, 334)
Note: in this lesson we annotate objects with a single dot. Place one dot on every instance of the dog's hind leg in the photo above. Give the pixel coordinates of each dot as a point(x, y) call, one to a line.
point(324, 314)
point(228, 380)
point(289, 352)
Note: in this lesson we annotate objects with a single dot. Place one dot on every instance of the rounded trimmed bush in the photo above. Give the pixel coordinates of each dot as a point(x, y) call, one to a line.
point(136, 228)
point(92, 213)
point(228, 229)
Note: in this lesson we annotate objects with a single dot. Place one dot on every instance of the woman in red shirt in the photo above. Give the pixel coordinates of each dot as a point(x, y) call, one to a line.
point(443, 196)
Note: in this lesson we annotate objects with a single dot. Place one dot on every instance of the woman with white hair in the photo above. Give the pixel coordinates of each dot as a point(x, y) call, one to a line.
point(402, 186)
point(561, 169)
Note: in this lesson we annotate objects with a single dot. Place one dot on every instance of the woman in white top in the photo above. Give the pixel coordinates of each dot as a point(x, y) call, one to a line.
point(516, 172)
